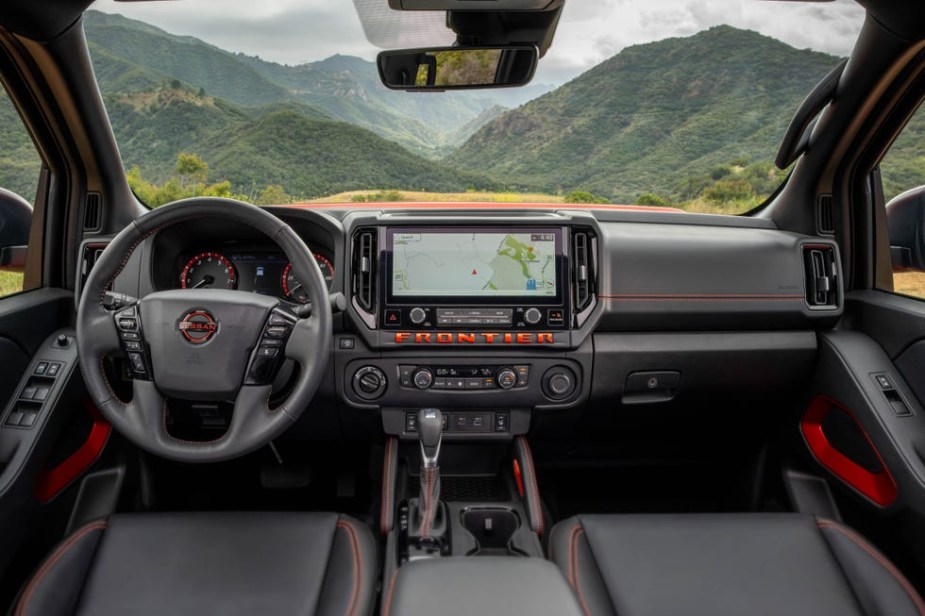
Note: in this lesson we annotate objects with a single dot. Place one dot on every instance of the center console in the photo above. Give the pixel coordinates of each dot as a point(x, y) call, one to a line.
point(486, 319)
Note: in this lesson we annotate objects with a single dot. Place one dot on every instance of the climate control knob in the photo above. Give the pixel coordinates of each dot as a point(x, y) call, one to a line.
point(417, 315)
point(423, 378)
point(559, 383)
point(533, 316)
point(369, 382)
point(506, 378)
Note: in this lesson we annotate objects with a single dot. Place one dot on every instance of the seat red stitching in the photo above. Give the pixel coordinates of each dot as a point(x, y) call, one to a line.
point(573, 567)
point(880, 558)
point(388, 595)
point(357, 571)
point(385, 515)
point(52, 561)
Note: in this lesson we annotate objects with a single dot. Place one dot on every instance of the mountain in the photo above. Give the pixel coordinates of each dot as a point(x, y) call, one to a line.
point(129, 54)
point(652, 117)
point(287, 144)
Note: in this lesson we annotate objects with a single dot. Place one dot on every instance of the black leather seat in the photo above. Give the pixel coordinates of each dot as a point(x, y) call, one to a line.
point(222, 563)
point(725, 565)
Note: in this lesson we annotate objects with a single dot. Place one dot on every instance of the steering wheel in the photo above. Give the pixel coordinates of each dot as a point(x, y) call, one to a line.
point(203, 344)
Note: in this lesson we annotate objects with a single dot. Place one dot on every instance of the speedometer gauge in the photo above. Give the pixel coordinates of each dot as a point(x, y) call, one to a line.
point(293, 289)
point(208, 270)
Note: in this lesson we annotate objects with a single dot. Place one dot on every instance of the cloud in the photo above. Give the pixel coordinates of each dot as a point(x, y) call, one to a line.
point(590, 31)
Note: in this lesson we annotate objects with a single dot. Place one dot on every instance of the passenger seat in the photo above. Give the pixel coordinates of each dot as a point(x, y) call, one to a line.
point(727, 565)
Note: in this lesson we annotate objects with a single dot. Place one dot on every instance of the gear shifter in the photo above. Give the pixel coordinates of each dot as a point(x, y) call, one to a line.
point(430, 433)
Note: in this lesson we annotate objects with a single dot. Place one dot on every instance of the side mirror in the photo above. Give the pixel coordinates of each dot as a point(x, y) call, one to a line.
point(15, 222)
point(457, 68)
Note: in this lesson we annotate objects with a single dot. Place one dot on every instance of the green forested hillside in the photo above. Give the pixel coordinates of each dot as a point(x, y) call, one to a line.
point(129, 55)
point(664, 118)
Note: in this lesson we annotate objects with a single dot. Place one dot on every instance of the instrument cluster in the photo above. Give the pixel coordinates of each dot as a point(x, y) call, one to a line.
point(264, 272)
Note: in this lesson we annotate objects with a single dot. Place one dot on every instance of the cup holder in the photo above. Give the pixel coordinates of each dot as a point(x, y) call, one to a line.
point(492, 528)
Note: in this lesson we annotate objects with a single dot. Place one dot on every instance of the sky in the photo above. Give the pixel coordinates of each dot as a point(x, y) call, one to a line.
point(590, 31)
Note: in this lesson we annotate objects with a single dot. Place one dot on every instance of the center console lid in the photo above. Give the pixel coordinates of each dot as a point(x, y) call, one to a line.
point(496, 585)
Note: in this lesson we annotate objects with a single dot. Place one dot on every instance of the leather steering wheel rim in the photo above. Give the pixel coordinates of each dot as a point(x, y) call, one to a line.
point(254, 424)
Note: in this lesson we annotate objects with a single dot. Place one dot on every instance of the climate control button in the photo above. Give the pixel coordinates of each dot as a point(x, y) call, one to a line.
point(423, 378)
point(506, 378)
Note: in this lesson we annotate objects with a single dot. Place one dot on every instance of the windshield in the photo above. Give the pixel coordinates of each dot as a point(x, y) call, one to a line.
point(675, 103)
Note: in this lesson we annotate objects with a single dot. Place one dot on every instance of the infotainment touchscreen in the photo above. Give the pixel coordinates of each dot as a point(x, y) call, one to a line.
point(475, 263)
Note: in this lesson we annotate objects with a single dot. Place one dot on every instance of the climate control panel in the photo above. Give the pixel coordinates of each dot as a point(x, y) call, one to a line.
point(469, 378)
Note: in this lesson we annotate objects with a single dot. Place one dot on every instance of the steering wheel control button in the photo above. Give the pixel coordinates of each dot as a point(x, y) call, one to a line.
point(533, 316)
point(268, 352)
point(138, 362)
point(417, 316)
point(423, 378)
point(277, 332)
point(369, 382)
point(506, 378)
point(128, 324)
point(278, 319)
point(131, 336)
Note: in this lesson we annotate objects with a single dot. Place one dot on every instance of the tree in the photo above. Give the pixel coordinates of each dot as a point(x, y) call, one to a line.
point(583, 196)
point(273, 194)
point(651, 199)
point(190, 167)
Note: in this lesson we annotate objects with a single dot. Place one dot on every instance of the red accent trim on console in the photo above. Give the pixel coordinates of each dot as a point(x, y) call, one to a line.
point(52, 482)
point(878, 487)
point(519, 478)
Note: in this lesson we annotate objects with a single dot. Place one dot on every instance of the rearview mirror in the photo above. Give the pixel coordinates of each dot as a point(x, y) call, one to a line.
point(905, 216)
point(15, 221)
point(457, 68)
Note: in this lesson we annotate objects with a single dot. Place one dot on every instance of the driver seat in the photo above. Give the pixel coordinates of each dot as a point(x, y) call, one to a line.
point(208, 563)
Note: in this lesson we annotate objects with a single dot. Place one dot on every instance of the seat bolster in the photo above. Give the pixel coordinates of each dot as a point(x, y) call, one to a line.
point(350, 579)
point(879, 586)
point(570, 550)
point(55, 587)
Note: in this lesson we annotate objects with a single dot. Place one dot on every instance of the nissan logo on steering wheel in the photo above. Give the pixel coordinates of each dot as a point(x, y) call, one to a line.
point(198, 326)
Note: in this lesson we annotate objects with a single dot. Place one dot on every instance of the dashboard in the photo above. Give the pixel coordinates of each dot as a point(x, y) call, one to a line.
point(525, 318)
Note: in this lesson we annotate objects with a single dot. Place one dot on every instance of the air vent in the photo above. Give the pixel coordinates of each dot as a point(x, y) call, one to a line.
point(93, 211)
point(365, 256)
point(825, 207)
point(89, 255)
point(582, 260)
point(821, 272)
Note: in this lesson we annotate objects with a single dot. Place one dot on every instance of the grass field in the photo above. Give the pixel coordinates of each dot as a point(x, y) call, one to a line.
point(698, 206)
point(910, 283)
point(10, 283)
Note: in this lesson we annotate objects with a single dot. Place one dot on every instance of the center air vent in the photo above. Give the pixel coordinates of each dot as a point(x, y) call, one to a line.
point(364, 268)
point(821, 275)
point(582, 262)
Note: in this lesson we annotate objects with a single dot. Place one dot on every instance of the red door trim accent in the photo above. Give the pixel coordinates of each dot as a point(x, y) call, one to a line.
point(52, 482)
point(519, 478)
point(879, 487)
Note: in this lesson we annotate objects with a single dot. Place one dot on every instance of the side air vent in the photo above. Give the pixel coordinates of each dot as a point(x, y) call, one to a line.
point(821, 275)
point(582, 260)
point(93, 211)
point(89, 255)
point(365, 256)
point(825, 218)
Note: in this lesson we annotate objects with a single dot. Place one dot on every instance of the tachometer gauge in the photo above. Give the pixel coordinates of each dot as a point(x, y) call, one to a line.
point(209, 270)
point(293, 289)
